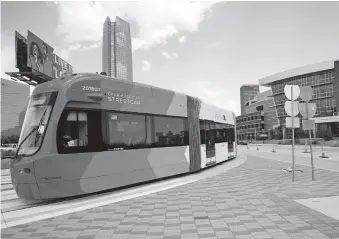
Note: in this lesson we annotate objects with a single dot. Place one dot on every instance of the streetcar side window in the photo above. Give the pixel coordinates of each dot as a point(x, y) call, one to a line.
point(125, 131)
point(220, 133)
point(79, 132)
point(170, 131)
point(76, 130)
point(202, 132)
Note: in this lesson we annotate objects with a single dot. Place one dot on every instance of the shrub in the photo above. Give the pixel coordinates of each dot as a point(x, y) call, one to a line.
point(328, 136)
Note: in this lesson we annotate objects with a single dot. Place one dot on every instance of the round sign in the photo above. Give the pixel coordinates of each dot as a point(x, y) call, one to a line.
point(288, 108)
point(288, 92)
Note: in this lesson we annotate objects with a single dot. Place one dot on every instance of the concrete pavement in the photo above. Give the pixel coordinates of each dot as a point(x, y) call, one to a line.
point(284, 154)
point(254, 200)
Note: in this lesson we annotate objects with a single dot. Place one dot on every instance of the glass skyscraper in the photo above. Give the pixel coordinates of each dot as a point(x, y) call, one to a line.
point(117, 49)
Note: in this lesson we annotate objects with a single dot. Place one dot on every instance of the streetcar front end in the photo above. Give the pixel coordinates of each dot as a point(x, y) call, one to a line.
point(33, 132)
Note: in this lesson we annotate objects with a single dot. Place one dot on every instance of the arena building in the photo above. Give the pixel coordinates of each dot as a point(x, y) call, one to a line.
point(324, 79)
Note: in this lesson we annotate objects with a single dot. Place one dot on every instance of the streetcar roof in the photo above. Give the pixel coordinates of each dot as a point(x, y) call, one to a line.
point(66, 82)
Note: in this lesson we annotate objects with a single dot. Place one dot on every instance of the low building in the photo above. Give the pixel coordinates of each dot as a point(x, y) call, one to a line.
point(250, 125)
point(14, 101)
point(247, 92)
point(264, 102)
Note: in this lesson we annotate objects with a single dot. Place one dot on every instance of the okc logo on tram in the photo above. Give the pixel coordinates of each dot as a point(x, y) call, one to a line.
point(123, 98)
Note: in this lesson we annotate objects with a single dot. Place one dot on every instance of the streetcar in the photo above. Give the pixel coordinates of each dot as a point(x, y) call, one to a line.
point(86, 133)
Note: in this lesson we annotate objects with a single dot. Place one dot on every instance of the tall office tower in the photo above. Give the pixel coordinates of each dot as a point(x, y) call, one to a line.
point(117, 49)
point(247, 92)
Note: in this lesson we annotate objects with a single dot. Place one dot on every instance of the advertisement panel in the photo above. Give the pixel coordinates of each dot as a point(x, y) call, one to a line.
point(60, 67)
point(41, 57)
point(20, 50)
point(40, 54)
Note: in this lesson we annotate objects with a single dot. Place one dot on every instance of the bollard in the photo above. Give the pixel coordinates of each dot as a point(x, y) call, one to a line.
point(273, 148)
point(322, 152)
point(306, 147)
point(257, 147)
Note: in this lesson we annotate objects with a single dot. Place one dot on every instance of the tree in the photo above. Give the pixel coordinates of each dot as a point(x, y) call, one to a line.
point(13, 139)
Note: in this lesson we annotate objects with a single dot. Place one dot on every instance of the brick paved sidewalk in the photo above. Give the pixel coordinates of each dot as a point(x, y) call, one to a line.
point(254, 200)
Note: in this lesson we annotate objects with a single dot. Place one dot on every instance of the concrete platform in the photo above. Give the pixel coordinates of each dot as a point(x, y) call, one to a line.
point(253, 200)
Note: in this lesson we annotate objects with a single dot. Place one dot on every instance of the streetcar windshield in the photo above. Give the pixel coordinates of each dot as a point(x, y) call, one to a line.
point(35, 123)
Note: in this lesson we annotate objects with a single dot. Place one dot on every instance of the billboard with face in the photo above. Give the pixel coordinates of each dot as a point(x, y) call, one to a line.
point(41, 57)
point(39, 54)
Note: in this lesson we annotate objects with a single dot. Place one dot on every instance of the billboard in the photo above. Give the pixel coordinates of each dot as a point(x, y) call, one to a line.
point(41, 57)
point(39, 54)
point(60, 67)
point(20, 50)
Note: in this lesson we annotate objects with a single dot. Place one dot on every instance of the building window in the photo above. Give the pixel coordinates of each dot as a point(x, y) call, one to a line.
point(260, 108)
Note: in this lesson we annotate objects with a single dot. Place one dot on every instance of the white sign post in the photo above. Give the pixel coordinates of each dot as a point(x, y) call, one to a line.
point(291, 107)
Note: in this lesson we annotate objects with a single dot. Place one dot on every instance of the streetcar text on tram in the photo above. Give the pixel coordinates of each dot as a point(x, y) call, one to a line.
point(123, 98)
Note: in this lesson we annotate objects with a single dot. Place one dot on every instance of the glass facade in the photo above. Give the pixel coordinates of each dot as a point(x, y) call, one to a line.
point(247, 92)
point(324, 86)
point(270, 114)
point(117, 50)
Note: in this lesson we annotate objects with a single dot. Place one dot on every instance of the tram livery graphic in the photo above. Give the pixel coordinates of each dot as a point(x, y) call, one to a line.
point(86, 133)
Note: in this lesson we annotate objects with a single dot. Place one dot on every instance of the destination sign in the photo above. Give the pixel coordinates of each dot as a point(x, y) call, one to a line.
point(123, 98)
point(40, 99)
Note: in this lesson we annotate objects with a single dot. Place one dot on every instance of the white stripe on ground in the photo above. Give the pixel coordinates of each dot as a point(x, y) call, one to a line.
point(326, 205)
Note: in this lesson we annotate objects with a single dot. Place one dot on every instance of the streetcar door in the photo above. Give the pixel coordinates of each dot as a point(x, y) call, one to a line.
point(210, 143)
point(231, 140)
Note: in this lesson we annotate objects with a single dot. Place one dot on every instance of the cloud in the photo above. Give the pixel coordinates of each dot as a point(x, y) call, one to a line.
point(169, 56)
point(182, 39)
point(66, 51)
point(146, 66)
point(208, 89)
point(212, 93)
point(214, 45)
point(157, 20)
point(93, 45)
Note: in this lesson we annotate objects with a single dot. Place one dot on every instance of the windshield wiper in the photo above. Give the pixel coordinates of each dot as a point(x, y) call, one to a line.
point(30, 133)
point(24, 140)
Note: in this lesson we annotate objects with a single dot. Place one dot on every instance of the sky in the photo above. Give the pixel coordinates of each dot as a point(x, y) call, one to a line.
point(204, 49)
